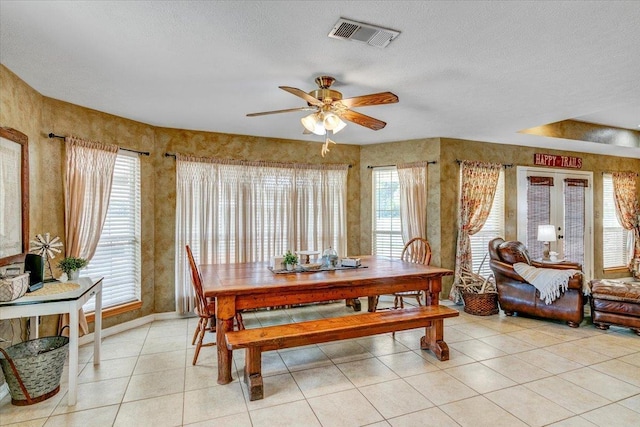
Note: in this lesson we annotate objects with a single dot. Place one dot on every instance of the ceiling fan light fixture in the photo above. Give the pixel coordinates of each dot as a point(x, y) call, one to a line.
point(341, 125)
point(313, 123)
point(331, 122)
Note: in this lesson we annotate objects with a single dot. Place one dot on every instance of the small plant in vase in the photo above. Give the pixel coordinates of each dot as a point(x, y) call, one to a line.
point(290, 260)
point(71, 266)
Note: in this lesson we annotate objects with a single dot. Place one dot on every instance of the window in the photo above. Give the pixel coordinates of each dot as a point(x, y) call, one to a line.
point(117, 256)
point(386, 233)
point(237, 211)
point(615, 239)
point(492, 228)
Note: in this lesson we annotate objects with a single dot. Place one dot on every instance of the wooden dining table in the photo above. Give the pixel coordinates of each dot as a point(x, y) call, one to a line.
point(242, 286)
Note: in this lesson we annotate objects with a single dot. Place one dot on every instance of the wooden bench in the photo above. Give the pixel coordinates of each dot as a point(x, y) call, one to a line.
point(257, 340)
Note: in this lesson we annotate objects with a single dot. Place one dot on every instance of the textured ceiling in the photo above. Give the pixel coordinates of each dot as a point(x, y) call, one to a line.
point(473, 70)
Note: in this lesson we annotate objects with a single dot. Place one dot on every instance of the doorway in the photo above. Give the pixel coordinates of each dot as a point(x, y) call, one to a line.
point(563, 199)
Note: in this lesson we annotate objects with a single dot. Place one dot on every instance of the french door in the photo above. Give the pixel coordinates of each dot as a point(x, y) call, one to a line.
point(563, 199)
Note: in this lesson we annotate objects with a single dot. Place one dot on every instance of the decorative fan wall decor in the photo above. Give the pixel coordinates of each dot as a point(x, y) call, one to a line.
point(330, 109)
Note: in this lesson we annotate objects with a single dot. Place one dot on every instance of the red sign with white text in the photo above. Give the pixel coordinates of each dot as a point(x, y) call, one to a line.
point(540, 159)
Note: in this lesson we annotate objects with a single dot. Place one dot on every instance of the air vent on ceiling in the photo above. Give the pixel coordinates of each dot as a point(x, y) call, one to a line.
point(357, 31)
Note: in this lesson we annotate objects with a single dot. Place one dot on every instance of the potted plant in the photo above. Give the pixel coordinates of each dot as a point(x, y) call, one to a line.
point(290, 260)
point(71, 266)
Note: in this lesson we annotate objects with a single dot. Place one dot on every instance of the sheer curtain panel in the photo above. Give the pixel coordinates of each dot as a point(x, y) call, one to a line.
point(87, 186)
point(236, 211)
point(413, 199)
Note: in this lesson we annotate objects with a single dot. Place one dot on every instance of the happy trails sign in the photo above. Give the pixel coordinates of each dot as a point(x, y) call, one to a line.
point(557, 161)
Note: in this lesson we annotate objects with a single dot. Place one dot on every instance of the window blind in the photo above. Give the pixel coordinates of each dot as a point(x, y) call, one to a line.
point(615, 247)
point(386, 223)
point(492, 228)
point(574, 219)
point(117, 257)
point(539, 211)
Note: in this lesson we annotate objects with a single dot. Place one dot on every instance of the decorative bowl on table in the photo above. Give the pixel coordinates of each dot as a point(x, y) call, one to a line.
point(311, 266)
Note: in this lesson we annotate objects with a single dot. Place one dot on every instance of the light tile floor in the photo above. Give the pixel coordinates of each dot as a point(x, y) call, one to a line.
point(503, 371)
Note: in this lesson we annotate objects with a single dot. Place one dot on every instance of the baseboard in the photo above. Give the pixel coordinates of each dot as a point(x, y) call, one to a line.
point(116, 329)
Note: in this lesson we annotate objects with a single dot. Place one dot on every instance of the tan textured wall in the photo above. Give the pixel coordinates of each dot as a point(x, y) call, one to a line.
point(452, 149)
point(24, 109)
point(20, 108)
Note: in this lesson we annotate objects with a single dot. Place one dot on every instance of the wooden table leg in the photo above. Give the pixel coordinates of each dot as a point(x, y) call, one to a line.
point(225, 313)
point(434, 335)
point(434, 340)
point(372, 303)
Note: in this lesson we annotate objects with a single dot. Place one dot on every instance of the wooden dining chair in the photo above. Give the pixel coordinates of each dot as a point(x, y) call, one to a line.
point(205, 309)
point(417, 251)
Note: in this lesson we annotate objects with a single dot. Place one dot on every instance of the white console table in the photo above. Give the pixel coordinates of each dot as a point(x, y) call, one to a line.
point(59, 303)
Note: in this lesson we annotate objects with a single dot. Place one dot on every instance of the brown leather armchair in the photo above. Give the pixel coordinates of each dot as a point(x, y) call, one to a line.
point(516, 295)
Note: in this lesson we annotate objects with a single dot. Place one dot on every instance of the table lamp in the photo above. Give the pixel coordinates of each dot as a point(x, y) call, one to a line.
point(546, 234)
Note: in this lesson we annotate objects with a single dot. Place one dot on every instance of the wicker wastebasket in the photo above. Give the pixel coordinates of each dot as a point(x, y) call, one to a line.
point(479, 293)
point(480, 304)
point(33, 368)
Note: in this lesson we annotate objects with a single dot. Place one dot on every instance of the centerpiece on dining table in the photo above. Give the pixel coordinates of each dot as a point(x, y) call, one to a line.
point(301, 262)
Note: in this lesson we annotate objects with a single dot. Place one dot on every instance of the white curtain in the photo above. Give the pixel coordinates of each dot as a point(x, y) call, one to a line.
point(412, 178)
point(87, 187)
point(236, 211)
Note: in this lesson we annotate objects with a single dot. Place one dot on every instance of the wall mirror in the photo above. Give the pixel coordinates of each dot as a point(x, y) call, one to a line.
point(14, 195)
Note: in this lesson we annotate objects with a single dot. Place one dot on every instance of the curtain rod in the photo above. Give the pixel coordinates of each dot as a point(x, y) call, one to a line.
point(430, 162)
point(611, 173)
point(142, 153)
point(504, 165)
point(174, 156)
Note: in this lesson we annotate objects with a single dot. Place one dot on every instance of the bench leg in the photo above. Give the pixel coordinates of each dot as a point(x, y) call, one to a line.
point(434, 340)
point(253, 373)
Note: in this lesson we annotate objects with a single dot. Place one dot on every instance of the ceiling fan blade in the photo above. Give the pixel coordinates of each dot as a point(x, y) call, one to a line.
point(373, 99)
point(289, 110)
point(362, 120)
point(302, 94)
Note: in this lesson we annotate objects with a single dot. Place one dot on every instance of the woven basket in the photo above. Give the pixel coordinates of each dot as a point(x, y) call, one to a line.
point(13, 287)
point(33, 368)
point(480, 304)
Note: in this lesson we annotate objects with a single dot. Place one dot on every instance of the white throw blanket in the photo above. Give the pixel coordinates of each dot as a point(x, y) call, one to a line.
point(551, 283)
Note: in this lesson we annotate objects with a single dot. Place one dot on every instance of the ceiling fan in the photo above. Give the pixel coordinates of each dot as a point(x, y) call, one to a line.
point(330, 109)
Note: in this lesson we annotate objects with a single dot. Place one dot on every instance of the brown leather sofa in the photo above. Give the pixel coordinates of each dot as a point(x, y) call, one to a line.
point(515, 295)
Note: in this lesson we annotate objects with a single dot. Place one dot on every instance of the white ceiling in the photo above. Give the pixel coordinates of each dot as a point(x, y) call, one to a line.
point(474, 70)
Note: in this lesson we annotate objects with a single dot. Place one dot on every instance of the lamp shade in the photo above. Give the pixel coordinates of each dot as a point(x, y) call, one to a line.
point(333, 123)
point(313, 123)
point(546, 233)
